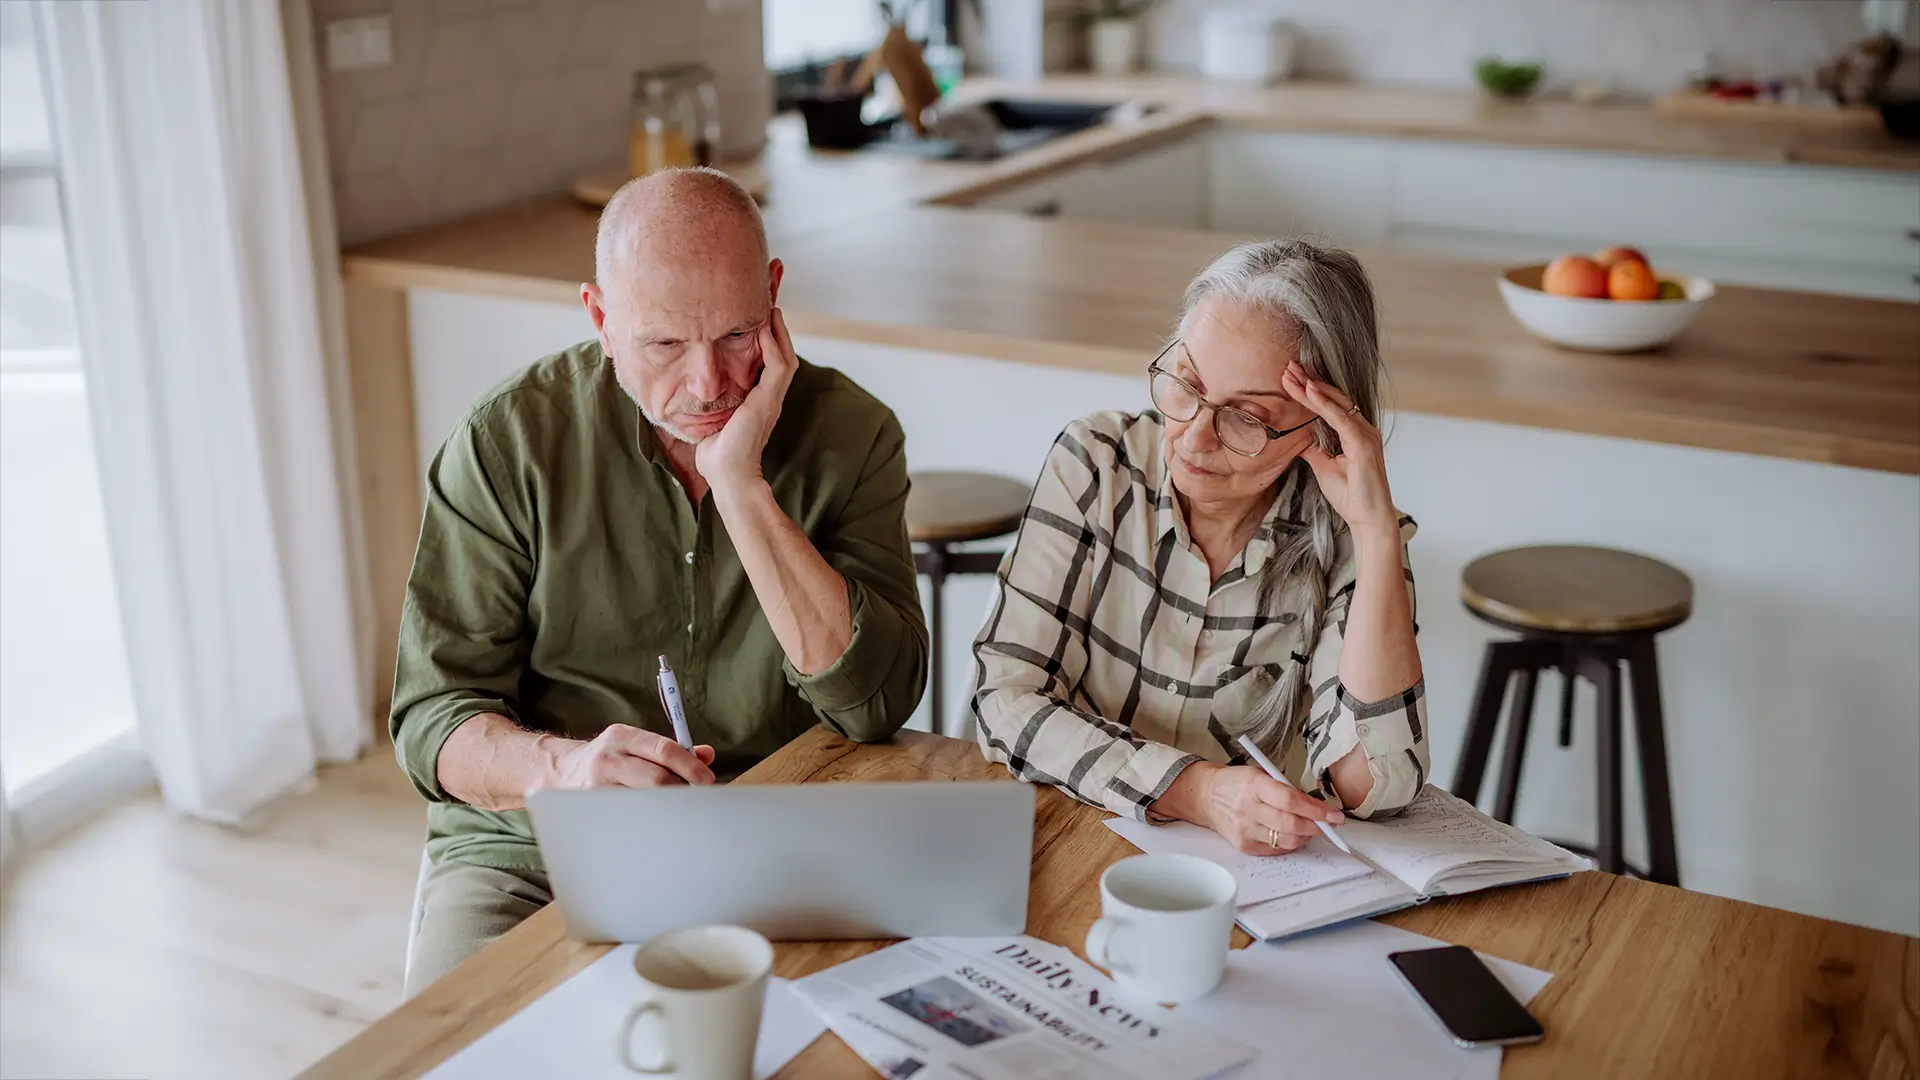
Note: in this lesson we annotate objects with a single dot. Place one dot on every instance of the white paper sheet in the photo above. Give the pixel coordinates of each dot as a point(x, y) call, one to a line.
point(1329, 1004)
point(570, 1030)
point(1261, 877)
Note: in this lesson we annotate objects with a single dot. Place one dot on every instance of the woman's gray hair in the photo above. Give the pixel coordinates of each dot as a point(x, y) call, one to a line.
point(1319, 300)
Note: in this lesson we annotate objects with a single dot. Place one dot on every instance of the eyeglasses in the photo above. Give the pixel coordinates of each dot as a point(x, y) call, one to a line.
point(1238, 430)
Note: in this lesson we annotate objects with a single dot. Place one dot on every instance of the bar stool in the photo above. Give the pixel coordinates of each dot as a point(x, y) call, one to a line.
point(1581, 610)
point(953, 507)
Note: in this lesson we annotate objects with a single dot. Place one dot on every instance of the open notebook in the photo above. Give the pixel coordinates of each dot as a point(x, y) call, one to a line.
point(1438, 846)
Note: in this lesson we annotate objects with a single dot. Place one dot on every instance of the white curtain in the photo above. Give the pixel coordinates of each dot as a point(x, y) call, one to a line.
point(193, 260)
point(7, 840)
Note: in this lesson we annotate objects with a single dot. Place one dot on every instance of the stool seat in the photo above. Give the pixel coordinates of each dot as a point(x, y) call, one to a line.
point(950, 507)
point(1576, 589)
point(953, 507)
point(1586, 612)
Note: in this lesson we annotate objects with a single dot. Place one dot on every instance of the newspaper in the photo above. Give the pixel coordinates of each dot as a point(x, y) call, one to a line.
point(983, 1008)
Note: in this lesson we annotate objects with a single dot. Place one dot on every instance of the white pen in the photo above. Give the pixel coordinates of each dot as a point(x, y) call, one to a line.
point(670, 701)
point(1266, 766)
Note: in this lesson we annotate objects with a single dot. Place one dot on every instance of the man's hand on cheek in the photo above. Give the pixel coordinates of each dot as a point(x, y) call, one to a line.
point(731, 456)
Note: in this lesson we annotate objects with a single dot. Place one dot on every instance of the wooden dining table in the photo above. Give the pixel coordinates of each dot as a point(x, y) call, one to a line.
point(1648, 981)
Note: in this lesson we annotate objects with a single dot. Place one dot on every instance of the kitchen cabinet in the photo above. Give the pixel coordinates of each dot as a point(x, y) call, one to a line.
point(1162, 186)
point(1334, 188)
point(1800, 227)
point(1814, 228)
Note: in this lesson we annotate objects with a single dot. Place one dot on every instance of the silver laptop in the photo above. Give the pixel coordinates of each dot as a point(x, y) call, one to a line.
point(795, 862)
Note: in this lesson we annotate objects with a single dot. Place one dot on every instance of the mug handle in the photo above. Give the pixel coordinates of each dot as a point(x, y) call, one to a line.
point(665, 1066)
point(1100, 945)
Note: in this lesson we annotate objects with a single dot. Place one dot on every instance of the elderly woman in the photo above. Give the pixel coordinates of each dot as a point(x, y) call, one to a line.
point(1228, 563)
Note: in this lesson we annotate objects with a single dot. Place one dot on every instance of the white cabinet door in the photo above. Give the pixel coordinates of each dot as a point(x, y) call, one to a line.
point(1163, 186)
point(1332, 188)
point(1854, 231)
point(1045, 197)
point(1796, 226)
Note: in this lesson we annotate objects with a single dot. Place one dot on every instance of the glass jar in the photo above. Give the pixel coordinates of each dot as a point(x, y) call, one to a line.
point(706, 150)
point(662, 125)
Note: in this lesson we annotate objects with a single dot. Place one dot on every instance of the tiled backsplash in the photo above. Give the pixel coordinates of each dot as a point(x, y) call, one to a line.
point(490, 101)
point(1644, 47)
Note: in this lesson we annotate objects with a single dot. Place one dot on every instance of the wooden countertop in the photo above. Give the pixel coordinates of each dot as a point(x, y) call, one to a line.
point(1790, 375)
point(1471, 115)
point(876, 253)
point(1648, 980)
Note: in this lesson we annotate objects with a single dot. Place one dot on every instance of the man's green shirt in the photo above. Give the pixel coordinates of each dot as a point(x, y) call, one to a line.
point(559, 557)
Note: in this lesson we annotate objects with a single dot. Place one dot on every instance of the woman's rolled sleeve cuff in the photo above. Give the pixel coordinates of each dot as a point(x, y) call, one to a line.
point(1392, 734)
point(1149, 770)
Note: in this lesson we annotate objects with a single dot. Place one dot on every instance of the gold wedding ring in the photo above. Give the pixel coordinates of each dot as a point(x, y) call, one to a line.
point(1354, 409)
point(1273, 838)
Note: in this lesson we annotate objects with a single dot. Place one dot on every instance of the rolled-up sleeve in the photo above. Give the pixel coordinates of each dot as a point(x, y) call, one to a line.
point(871, 689)
point(463, 628)
point(1032, 653)
point(1392, 731)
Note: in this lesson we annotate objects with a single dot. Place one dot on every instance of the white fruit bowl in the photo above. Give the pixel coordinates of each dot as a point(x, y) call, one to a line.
point(1600, 325)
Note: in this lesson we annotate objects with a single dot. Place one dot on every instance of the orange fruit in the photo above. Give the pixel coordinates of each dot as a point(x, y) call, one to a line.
point(1607, 256)
point(1630, 280)
point(1575, 275)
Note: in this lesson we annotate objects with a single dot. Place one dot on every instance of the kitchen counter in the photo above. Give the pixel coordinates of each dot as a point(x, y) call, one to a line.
point(1791, 375)
point(1471, 115)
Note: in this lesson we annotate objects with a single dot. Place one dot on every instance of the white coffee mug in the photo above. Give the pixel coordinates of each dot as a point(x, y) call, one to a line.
point(1165, 926)
point(702, 990)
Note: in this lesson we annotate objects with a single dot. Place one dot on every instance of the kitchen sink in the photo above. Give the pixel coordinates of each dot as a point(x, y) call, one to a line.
point(1016, 125)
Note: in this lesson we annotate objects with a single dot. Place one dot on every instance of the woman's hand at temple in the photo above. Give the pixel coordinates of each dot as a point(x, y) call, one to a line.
point(1254, 812)
point(1355, 482)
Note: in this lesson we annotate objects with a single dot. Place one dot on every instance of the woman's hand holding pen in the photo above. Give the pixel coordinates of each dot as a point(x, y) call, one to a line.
point(1251, 810)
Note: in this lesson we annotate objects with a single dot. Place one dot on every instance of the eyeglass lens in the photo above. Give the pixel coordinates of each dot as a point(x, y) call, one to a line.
point(1236, 430)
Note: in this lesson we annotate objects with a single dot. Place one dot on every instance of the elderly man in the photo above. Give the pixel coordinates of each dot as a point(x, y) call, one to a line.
point(681, 486)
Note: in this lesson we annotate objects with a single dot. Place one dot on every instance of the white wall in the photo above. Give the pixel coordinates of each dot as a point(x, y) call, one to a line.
point(1792, 697)
point(1642, 46)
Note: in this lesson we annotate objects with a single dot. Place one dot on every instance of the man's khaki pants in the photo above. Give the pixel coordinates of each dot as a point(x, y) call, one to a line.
point(463, 908)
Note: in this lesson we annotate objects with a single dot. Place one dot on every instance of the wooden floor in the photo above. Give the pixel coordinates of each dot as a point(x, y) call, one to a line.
point(150, 945)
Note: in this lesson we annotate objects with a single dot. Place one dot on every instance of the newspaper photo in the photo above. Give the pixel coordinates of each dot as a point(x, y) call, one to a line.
point(1013, 1007)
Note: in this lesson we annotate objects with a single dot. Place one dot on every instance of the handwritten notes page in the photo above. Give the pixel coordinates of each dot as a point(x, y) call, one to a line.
point(1261, 877)
point(1439, 834)
point(1362, 897)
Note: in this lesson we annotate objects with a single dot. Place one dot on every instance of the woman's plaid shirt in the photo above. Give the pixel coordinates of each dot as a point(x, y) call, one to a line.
point(1111, 661)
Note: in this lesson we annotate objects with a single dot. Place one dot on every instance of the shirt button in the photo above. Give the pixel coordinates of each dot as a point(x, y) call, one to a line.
point(1172, 687)
point(689, 628)
point(689, 558)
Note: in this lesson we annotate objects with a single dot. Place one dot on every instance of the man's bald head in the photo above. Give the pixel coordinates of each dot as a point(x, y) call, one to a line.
point(682, 291)
point(668, 216)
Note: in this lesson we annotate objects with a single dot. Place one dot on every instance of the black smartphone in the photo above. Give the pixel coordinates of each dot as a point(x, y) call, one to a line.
point(1469, 1001)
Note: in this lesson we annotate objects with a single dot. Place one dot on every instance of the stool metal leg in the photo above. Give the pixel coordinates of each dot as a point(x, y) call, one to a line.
point(934, 565)
point(1496, 667)
point(1604, 672)
point(1649, 729)
point(1519, 720)
point(1568, 670)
